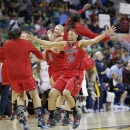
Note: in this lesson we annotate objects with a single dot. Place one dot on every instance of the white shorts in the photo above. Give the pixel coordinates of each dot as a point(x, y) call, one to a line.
point(110, 97)
point(45, 86)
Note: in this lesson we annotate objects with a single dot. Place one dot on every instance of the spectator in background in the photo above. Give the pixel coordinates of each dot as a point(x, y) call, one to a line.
point(111, 12)
point(101, 70)
point(118, 88)
point(42, 30)
point(117, 54)
point(118, 68)
point(93, 15)
point(124, 24)
point(4, 18)
point(14, 22)
point(63, 17)
point(101, 9)
point(125, 57)
point(126, 73)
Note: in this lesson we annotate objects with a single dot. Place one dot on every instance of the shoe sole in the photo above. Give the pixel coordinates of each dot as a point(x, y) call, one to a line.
point(24, 127)
point(78, 124)
point(43, 127)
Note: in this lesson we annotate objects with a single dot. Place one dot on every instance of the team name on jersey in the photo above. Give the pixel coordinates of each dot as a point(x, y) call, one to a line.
point(74, 50)
point(70, 54)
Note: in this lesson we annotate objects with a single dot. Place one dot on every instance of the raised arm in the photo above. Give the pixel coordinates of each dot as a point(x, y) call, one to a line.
point(47, 43)
point(83, 43)
point(79, 12)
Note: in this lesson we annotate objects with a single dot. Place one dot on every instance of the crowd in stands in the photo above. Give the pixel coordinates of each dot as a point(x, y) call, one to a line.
point(38, 16)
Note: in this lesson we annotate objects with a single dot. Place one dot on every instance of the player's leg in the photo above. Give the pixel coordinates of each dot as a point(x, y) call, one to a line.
point(44, 87)
point(37, 106)
point(89, 66)
point(70, 92)
point(91, 86)
point(66, 120)
point(57, 113)
point(14, 104)
point(44, 102)
point(53, 95)
point(21, 109)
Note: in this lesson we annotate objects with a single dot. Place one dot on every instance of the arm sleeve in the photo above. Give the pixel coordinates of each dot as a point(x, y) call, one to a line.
point(81, 11)
point(84, 31)
point(35, 51)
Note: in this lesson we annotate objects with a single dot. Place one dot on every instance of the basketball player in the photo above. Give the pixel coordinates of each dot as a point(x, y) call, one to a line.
point(42, 69)
point(69, 83)
point(17, 53)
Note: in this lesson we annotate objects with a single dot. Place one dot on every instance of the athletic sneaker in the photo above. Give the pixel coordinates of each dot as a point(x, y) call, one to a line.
point(125, 108)
point(45, 111)
point(51, 123)
point(91, 91)
point(90, 110)
point(84, 109)
point(76, 122)
point(23, 122)
point(57, 115)
point(41, 123)
point(66, 121)
point(12, 117)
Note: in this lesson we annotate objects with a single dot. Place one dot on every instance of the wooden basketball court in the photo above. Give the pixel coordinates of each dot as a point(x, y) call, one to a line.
point(91, 121)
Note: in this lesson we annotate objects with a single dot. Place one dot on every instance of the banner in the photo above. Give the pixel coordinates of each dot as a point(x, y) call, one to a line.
point(124, 8)
point(104, 19)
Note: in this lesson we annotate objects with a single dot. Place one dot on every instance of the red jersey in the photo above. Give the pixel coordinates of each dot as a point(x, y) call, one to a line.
point(17, 54)
point(73, 57)
point(55, 60)
point(81, 30)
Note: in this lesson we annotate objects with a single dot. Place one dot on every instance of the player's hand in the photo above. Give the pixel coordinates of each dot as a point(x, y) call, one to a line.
point(110, 31)
point(30, 36)
point(86, 7)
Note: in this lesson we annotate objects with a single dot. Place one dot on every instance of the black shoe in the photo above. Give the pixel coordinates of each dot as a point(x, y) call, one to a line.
point(66, 121)
point(76, 122)
point(51, 123)
point(41, 123)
